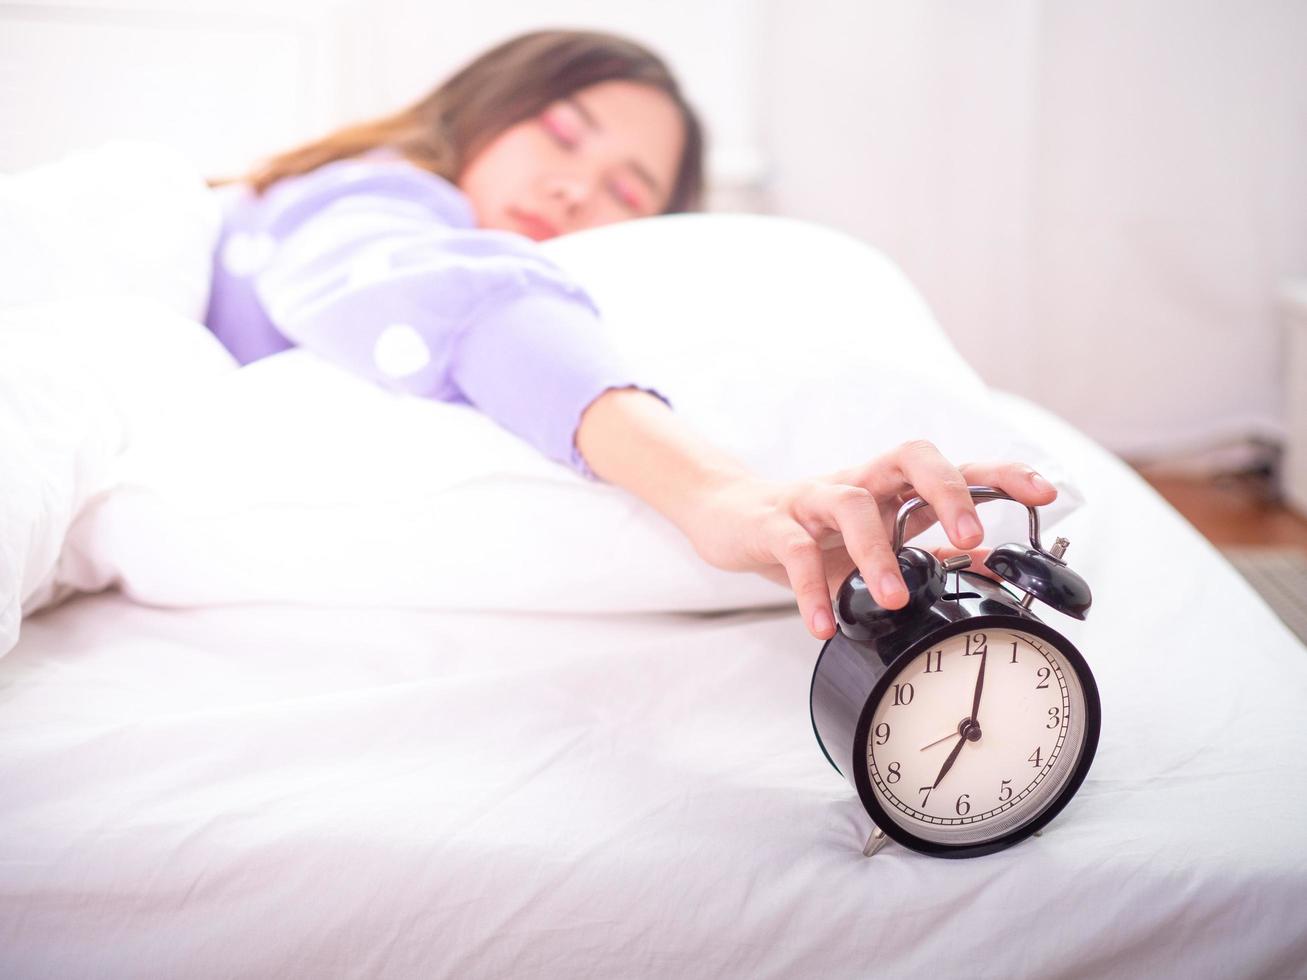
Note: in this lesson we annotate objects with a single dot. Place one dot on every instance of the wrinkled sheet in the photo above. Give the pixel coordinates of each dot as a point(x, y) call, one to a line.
point(271, 790)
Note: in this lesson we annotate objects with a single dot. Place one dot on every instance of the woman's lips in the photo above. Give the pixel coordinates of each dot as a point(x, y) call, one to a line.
point(535, 226)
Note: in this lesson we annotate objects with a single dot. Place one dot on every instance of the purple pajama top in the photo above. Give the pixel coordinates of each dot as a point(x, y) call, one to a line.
point(378, 266)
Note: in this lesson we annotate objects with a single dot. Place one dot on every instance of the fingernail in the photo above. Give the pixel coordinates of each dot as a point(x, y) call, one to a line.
point(968, 527)
point(1039, 483)
point(821, 621)
point(891, 587)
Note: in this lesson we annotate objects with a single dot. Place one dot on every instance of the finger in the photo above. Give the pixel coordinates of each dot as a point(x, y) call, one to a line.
point(856, 513)
point(795, 549)
point(944, 487)
point(1017, 480)
point(838, 565)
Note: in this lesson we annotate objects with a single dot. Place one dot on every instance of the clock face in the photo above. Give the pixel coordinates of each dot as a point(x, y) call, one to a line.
point(955, 770)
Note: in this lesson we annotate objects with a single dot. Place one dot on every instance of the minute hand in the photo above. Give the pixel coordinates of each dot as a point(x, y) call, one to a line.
point(980, 684)
point(971, 724)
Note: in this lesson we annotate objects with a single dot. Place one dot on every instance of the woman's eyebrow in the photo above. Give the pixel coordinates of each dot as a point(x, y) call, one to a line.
point(640, 169)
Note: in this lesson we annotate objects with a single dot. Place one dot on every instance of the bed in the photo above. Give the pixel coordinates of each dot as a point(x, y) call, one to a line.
point(255, 785)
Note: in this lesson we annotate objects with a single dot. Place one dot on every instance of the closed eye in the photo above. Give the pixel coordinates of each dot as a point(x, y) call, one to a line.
point(627, 197)
point(555, 128)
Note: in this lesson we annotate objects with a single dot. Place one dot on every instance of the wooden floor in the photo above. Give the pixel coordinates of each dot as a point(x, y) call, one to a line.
point(1233, 511)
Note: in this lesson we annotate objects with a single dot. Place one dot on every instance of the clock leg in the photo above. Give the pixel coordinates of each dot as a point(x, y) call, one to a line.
point(875, 842)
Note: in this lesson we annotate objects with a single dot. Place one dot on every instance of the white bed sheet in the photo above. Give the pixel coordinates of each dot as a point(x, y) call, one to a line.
point(273, 790)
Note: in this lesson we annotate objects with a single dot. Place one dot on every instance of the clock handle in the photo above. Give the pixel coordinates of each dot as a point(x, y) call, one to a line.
point(1038, 573)
point(977, 493)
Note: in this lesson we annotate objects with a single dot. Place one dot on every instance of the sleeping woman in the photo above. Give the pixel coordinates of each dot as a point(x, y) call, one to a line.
point(404, 249)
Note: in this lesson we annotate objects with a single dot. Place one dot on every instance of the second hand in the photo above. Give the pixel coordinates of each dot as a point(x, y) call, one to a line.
point(938, 740)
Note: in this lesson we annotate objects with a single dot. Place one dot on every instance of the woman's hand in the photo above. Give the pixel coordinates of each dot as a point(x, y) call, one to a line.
point(809, 534)
point(806, 534)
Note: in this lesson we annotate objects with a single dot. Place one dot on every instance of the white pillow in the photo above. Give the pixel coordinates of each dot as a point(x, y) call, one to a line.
point(127, 216)
point(795, 348)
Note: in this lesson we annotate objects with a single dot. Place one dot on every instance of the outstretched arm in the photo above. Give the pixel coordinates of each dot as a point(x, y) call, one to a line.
point(633, 440)
point(807, 534)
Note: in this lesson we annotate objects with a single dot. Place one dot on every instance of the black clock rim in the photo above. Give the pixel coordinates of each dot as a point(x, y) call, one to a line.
point(1093, 726)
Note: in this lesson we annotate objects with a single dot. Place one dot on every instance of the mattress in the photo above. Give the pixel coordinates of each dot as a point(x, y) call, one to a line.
point(269, 789)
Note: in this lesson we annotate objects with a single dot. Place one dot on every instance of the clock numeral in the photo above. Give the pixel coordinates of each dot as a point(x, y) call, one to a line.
point(892, 774)
point(902, 694)
point(1005, 791)
point(926, 790)
point(1014, 651)
point(1055, 717)
point(1034, 759)
point(1044, 674)
point(980, 645)
point(939, 661)
point(882, 733)
point(963, 806)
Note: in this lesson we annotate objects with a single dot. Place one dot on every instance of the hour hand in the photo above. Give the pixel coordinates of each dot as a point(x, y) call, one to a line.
point(948, 763)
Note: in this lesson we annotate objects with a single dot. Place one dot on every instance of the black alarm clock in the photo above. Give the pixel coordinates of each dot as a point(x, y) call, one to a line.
point(964, 723)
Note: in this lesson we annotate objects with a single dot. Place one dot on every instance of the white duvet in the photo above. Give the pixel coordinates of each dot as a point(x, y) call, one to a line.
point(106, 271)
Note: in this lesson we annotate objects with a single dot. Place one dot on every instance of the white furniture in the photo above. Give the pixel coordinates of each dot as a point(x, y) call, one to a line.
point(1294, 301)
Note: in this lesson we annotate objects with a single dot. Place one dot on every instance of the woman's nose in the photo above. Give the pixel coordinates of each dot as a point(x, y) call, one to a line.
point(572, 191)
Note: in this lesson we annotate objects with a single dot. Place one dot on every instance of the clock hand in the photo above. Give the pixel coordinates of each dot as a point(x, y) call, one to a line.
point(937, 741)
point(980, 683)
point(964, 727)
point(948, 763)
point(969, 726)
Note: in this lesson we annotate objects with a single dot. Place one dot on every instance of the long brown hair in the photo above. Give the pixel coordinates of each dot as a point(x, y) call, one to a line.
point(509, 83)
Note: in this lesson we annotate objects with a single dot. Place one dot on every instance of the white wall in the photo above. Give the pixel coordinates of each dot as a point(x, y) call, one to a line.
point(232, 81)
point(1097, 198)
point(1170, 199)
point(222, 81)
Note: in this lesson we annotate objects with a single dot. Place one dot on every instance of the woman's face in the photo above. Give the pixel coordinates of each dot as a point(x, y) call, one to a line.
point(603, 154)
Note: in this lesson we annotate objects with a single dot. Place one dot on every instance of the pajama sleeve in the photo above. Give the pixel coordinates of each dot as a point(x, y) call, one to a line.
point(377, 278)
